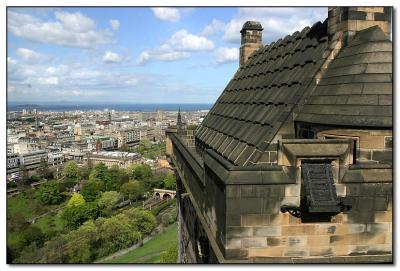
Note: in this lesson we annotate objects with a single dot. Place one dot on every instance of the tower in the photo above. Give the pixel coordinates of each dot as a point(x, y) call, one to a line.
point(109, 117)
point(350, 20)
point(251, 40)
point(179, 120)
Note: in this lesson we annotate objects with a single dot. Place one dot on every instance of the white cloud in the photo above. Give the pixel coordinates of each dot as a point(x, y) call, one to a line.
point(131, 82)
point(144, 57)
point(172, 56)
point(110, 57)
point(182, 40)
point(161, 55)
point(167, 14)
point(115, 24)
point(11, 61)
point(213, 28)
point(61, 69)
point(226, 55)
point(10, 89)
point(76, 93)
point(75, 21)
point(52, 80)
point(29, 55)
point(69, 29)
point(180, 46)
point(85, 74)
point(277, 22)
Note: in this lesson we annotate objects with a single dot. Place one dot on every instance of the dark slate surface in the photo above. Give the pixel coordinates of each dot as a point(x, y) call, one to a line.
point(262, 95)
point(356, 90)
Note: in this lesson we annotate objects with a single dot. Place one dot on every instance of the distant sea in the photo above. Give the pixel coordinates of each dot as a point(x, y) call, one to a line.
point(118, 107)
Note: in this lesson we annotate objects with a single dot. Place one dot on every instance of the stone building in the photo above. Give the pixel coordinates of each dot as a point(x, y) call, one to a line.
point(293, 163)
point(120, 159)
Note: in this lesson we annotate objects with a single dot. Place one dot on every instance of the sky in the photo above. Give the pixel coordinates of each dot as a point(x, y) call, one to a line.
point(133, 55)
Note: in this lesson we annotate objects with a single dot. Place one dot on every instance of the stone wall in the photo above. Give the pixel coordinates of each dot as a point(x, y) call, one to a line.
point(371, 147)
point(190, 232)
point(238, 210)
point(256, 228)
point(353, 19)
point(188, 137)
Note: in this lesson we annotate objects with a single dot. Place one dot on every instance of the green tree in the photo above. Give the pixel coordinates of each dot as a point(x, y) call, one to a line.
point(83, 172)
point(17, 223)
point(70, 170)
point(81, 243)
point(49, 193)
point(55, 250)
point(132, 190)
point(30, 254)
point(140, 172)
point(33, 234)
point(91, 189)
point(107, 201)
point(170, 181)
point(141, 220)
point(30, 235)
point(78, 211)
point(116, 233)
point(113, 179)
point(76, 200)
point(171, 255)
point(144, 145)
point(169, 217)
point(98, 173)
point(157, 179)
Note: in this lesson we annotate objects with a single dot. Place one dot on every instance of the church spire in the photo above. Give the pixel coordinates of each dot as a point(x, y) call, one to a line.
point(179, 120)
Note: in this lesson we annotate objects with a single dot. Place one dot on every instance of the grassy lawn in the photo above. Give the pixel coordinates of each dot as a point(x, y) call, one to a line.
point(150, 252)
point(28, 207)
point(50, 222)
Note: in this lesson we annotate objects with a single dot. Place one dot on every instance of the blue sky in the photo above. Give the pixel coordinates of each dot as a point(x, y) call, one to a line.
point(133, 55)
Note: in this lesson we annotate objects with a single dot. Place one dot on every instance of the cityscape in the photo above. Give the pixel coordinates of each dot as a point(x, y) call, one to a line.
point(199, 135)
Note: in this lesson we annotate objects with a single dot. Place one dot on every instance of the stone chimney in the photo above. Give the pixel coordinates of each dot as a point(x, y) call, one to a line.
point(251, 40)
point(350, 20)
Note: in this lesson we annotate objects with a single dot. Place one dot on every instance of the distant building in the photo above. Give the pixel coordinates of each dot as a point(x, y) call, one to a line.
point(121, 159)
point(13, 162)
point(55, 158)
point(32, 160)
point(129, 137)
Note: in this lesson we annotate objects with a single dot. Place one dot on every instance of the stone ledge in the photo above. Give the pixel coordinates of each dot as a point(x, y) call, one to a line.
point(387, 258)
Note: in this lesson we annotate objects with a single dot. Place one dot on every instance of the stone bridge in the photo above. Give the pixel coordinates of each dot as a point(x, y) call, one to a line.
point(164, 194)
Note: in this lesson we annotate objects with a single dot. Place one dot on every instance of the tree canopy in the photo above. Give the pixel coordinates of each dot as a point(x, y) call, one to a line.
point(140, 172)
point(70, 170)
point(90, 190)
point(108, 201)
point(49, 193)
point(132, 190)
point(170, 181)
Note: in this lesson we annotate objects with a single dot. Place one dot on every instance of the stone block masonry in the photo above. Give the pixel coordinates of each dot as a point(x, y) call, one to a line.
point(263, 231)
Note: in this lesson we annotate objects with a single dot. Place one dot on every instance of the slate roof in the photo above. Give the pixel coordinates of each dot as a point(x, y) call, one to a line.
point(262, 95)
point(356, 90)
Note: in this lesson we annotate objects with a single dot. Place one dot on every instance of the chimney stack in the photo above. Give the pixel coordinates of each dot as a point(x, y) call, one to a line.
point(350, 20)
point(251, 40)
